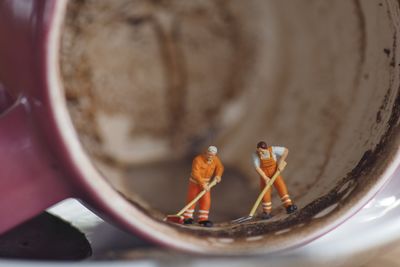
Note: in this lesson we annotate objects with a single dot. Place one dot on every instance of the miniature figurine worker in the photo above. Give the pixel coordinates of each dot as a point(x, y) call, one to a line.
point(267, 161)
point(204, 167)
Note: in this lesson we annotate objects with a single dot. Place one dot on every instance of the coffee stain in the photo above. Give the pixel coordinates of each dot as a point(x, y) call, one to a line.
point(362, 47)
point(243, 56)
point(175, 75)
point(366, 165)
point(363, 34)
point(392, 51)
point(337, 124)
point(173, 60)
point(76, 94)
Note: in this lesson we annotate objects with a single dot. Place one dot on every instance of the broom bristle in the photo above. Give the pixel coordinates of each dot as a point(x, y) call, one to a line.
point(242, 220)
point(174, 219)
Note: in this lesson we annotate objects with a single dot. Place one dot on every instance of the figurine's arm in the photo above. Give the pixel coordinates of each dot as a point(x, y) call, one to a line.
point(262, 174)
point(282, 152)
point(219, 169)
point(196, 172)
point(256, 162)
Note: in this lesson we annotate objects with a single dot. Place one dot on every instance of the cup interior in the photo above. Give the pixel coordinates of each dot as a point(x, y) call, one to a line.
point(150, 84)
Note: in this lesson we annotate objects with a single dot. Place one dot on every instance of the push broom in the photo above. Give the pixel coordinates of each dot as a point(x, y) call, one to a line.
point(178, 218)
point(258, 201)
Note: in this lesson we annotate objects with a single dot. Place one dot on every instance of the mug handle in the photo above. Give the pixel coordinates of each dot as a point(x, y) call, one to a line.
point(30, 179)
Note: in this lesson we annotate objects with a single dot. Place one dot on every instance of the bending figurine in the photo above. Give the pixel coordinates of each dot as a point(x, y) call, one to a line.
point(266, 162)
point(204, 167)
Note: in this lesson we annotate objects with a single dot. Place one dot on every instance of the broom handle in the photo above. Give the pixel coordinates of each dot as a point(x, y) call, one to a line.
point(269, 184)
point(213, 183)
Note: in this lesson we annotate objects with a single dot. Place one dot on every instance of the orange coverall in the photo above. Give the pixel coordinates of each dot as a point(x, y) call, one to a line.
point(202, 172)
point(269, 167)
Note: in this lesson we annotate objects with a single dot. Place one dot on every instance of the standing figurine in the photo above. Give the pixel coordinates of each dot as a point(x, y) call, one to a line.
point(204, 167)
point(267, 160)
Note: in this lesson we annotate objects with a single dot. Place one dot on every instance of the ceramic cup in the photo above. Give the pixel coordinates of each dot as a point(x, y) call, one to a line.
point(108, 101)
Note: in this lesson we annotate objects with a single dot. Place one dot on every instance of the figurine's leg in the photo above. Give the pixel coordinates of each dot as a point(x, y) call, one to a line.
point(193, 191)
point(266, 203)
point(283, 193)
point(205, 204)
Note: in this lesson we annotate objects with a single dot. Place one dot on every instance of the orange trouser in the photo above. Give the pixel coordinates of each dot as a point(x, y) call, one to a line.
point(280, 186)
point(204, 201)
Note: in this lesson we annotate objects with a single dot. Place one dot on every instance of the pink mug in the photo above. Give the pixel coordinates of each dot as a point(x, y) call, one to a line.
point(331, 70)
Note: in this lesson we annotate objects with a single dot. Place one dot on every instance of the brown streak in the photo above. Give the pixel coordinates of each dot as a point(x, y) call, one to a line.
point(356, 84)
point(175, 74)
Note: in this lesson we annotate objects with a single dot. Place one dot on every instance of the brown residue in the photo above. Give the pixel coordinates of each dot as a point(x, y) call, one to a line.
point(177, 79)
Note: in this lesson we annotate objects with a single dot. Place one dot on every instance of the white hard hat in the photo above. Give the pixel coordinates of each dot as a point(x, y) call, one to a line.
point(212, 150)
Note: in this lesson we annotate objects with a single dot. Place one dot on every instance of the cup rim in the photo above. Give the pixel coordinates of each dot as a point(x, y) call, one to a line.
point(130, 216)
